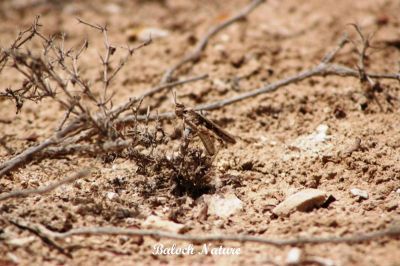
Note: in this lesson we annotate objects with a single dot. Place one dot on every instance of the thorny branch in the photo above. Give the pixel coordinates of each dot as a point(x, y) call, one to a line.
point(28, 154)
point(202, 43)
point(80, 131)
point(83, 125)
point(41, 230)
point(103, 123)
point(45, 189)
point(22, 38)
point(70, 146)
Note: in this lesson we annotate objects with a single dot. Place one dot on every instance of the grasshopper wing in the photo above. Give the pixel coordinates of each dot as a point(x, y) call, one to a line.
point(207, 142)
point(223, 134)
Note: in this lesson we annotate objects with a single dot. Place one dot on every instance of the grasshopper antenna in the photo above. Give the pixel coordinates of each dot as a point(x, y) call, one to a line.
point(174, 96)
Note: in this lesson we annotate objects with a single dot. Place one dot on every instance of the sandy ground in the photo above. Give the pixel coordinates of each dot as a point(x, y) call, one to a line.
point(276, 153)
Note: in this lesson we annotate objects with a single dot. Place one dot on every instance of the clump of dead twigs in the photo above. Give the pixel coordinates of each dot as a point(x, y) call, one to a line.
point(93, 125)
point(89, 115)
point(89, 124)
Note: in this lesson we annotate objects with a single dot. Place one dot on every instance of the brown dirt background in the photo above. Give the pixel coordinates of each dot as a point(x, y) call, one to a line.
point(279, 39)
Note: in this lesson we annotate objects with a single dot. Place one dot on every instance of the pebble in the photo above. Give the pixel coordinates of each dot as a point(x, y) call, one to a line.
point(303, 200)
point(294, 256)
point(360, 193)
point(112, 9)
point(223, 206)
point(156, 222)
point(111, 195)
point(144, 34)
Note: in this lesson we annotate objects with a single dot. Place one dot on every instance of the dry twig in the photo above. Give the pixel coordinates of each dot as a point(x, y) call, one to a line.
point(44, 189)
point(324, 68)
point(40, 71)
point(28, 154)
point(392, 232)
point(85, 126)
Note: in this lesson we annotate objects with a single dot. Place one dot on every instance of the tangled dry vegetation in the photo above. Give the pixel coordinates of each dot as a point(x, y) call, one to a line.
point(94, 125)
point(90, 124)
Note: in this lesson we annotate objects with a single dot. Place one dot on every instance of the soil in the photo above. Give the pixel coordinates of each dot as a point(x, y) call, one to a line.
point(274, 156)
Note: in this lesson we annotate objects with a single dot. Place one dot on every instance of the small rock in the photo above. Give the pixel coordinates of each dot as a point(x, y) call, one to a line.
point(398, 191)
point(304, 200)
point(111, 195)
point(156, 222)
point(144, 34)
point(294, 256)
point(225, 38)
point(112, 8)
point(360, 193)
point(223, 206)
point(392, 206)
point(221, 86)
point(220, 47)
point(317, 143)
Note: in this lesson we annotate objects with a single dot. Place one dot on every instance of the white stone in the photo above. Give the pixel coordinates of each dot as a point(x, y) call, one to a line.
point(154, 33)
point(155, 222)
point(293, 256)
point(111, 195)
point(311, 145)
point(360, 193)
point(112, 8)
point(223, 206)
point(303, 200)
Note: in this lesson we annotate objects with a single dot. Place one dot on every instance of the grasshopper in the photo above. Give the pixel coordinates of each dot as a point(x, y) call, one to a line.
point(203, 127)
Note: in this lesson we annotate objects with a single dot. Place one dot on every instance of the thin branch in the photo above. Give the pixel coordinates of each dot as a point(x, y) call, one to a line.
point(202, 43)
point(65, 118)
point(324, 68)
point(45, 189)
point(97, 27)
point(43, 235)
point(91, 149)
point(321, 70)
point(392, 232)
point(27, 155)
point(19, 41)
point(150, 92)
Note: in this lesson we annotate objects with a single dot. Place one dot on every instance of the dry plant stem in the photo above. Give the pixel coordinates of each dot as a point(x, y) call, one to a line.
point(45, 189)
point(150, 92)
point(120, 109)
point(357, 238)
point(27, 155)
point(109, 51)
point(21, 41)
point(202, 44)
point(124, 107)
point(91, 149)
point(324, 68)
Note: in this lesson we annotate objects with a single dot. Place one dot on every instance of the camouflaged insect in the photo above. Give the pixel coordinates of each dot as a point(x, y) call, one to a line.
point(203, 127)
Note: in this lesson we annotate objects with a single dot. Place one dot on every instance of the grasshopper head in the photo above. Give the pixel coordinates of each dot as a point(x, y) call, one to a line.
point(179, 109)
